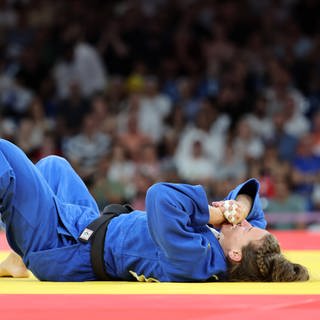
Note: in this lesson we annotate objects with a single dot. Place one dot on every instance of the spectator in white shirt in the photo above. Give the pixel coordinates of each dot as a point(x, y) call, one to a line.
point(296, 123)
point(259, 121)
point(63, 72)
point(196, 167)
point(81, 63)
point(153, 109)
point(87, 148)
point(247, 145)
point(89, 69)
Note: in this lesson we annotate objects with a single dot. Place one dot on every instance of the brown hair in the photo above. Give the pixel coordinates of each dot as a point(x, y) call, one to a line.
point(263, 261)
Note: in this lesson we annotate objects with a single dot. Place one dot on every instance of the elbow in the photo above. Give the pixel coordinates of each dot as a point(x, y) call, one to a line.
point(160, 194)
point(156, 190)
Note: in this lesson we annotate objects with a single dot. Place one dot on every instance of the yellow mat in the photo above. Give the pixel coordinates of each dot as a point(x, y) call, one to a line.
point(311, 259)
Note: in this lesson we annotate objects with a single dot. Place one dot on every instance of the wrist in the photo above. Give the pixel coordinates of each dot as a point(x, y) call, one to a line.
point(216, 217)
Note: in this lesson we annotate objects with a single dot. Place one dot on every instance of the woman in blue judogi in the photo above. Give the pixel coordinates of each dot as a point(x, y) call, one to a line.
point(46, 207)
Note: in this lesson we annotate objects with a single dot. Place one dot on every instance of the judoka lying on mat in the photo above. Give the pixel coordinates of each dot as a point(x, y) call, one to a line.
point(50, 216)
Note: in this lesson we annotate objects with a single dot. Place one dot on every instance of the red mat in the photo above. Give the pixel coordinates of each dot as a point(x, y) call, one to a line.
point(298, 240)
point(159, 307)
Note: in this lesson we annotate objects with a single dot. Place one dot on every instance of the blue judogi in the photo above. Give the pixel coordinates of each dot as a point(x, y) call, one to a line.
point(47, 206)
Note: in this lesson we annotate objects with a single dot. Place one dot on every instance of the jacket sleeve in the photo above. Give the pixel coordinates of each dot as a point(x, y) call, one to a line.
point(251, 187)
point(177, 219)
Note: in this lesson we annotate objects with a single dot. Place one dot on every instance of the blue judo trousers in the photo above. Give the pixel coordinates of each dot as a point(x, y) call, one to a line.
point(46, 206)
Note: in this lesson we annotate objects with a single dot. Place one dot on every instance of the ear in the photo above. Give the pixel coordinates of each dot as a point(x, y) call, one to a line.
point(235, 255)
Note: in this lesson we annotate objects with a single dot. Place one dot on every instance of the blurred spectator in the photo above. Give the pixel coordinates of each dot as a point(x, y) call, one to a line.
point(80, 63)
point(122, 170)
point(142, 183)
point(166, 90)
point(284, 142)
point(281, 94)
point(197, 166)
point(286, 202)
point(153, 109)
point(29, 137)
point(104, 119)
point(14, 96)
point(71, 112)
point(132, 139)
point(103, 190)
point(187, 98)
point(210, 128)
point(296, 124)
point(315, 133)
point(8, 129)
point(247, 145)
point(87, 148)
point(231, 167)
point(259, 120)
point(306, 168)
point(33, 126)
point(37, 113)
point(88, 67)
point(116, 94)
point(63, 71)
point(148, 161)
point(175, 123)
point(49, 146)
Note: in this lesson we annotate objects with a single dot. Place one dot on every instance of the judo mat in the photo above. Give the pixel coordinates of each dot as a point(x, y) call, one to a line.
point(32, 299)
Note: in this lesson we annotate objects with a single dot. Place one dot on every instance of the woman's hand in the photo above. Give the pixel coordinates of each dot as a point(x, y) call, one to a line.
point(216, 216)
point(231, 211)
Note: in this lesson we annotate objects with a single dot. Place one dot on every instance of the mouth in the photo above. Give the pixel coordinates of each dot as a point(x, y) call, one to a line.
point(226, 226)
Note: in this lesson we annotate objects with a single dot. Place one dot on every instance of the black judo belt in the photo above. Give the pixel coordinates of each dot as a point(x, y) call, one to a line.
point(96, 233)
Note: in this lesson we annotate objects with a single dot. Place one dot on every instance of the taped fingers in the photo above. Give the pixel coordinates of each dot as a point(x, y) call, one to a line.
point(231, 211)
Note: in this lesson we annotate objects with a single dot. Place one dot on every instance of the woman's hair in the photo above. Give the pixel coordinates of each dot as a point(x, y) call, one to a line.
point(263, 261)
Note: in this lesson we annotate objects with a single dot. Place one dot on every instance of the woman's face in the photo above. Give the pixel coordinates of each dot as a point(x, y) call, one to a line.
point(234, 238)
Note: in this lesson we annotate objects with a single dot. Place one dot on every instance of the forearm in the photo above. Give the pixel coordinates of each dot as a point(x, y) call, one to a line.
point(245, 202)
point(175, 212)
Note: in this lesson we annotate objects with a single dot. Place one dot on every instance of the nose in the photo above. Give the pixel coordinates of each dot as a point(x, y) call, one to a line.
point(245, 224)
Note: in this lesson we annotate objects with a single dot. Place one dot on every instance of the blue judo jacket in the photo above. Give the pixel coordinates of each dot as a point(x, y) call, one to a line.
point(45, 208)
point(169, 242)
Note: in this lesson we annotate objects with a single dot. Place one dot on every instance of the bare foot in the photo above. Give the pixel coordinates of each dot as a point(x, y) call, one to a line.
point(13, 266)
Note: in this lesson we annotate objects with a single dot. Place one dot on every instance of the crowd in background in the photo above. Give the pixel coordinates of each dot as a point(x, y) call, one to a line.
point(134, 92)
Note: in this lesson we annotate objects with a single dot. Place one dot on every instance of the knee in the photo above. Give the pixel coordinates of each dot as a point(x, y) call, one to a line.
point(7, 147)
point(52, 161)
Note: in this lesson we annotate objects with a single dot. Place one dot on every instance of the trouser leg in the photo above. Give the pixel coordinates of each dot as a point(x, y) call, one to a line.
point(26, 203)
point(65, 182)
